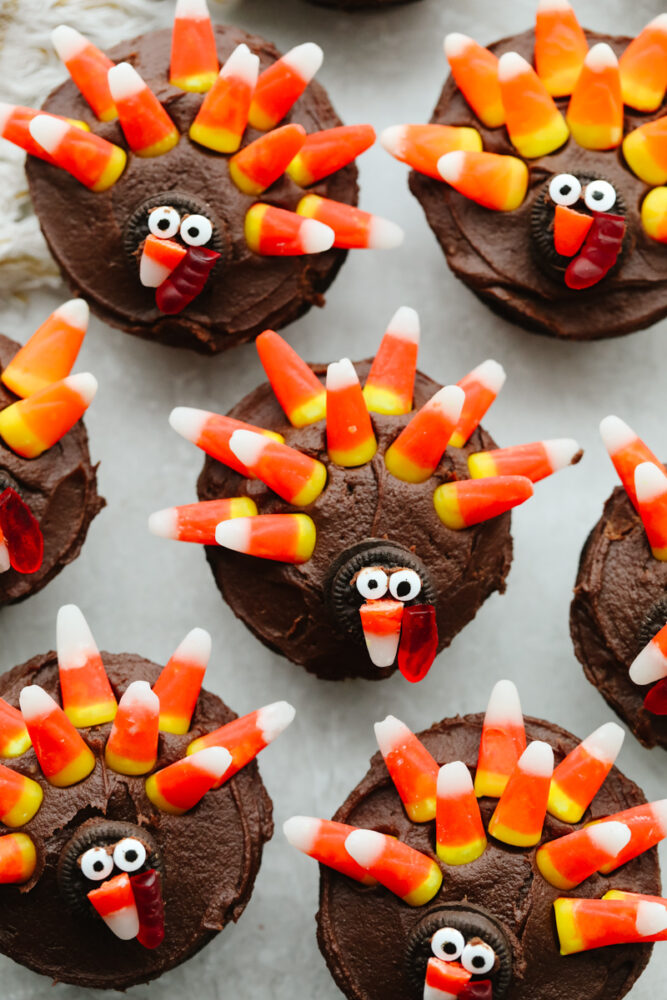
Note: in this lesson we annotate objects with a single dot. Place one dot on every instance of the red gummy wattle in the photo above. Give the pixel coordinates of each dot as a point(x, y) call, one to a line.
point(150, 907)
point(419, 641)
point(186, 281)
point(22, 534)
point(599, 253)
point(482, 990)
point(656, 700)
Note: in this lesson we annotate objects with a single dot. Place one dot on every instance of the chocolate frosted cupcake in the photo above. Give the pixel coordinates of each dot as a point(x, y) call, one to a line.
point(400, 537)
point(464, 907)
point(554, 212)
point(619, 612)
point(48, 487)
point(128, 843)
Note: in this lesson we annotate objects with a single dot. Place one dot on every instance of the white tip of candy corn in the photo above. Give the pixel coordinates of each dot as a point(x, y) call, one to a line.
point(390, 734)
point(48, 131)
point(504, 705)
point(74, 640)
point(490, 374)
point(151, 272)
point(659, 22)
point(124, 81)
point(214, 760)
point(248, 446)
point(544, 5)
point(605, 742)
point(405, 324)
point(454, 779)
point(364, 846)
point(304, 59)
point(649, 665)
point(84, 383)
point(610, 837)
point(450, 166)
point(449, 400)
point(561, 451)
point(601, 56)
point(195, 9)
point(124, 923)
point(5, 563)
point(615, 434)
point(393, 138)
point(511, 64)
point(195, 648)
point(315, 236)
point(188, 422)
point(384, 234)
point(164, 523)
point(650, 482)
point(35, 702)
point(455, 44)
point(382, 649)
point(234, 534)
point(140, 693)
point(75, 312)
point(301, 832)
point(242, 64)
point(537, 759)
point(651, 918)
point(274, 719)
point(67, 42)
point(340, 375)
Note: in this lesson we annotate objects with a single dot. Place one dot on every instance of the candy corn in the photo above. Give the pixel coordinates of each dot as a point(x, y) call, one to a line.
point(15, 127)
point(502, 742)
point(61, 752)
point(14, 738)
point(444, 980)
point(381, 625)
point(132, 744)
point(651, 493)
point(51, 352)
point(459, 831)
point(648, 666)
point(159, 258)
point(536, 461)
point(211, 432)
point(421, 146)
point(648, 826)
point(644, 67)
point(286, 538)
point(275, 232)
point(391, 380)
point(481, 386)
point(295, 385)
point(570, 230)
point(324, 840)
point(353, 228)
point(475, 70)
point(654, 214)
point(583, 924)
point(20, 797)
point(88, 67)
point(412, 768)
point(471, 501)
point(416, 453)
point(295, 477)
point(626, 451)
point(522, 807)
point(244, 738)
point(194, 60)
point(595, 112)
point(196, 522)
point(645, 150)
point(493, 181)
point(410, 875)
point(148, 128)
point(18, 858)
point(282, 84)
point(325, 152)
point(114, 901)
point(31, 426)
point(578, 778)
point(560, 46)
point(84, 686)
point(350, 436)
point(259, 164)
point(180, 786)
point(223, 116)
point(419, 641)
point(534, 123)
point(89, 158)
point(180, 682)
point(570, 860)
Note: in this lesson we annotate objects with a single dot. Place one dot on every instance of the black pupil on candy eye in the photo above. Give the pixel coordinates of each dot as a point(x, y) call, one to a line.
point(98, 866)
point(131, 855)
point(565, 189)
point(478, 961)
point(403, 589)
point(598, 195)
point(450, 948)
point(193, 232)
point(163, 224)
point(372, 584)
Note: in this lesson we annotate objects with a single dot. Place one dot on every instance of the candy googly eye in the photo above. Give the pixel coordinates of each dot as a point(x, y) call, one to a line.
point(129, 854)
point(196, 230)
point(372, 583)
point(405, 584)
point(600, 196)
point(478, 958)
point(564, 189)
point(96, 864)
point(164, 222)
point(448, 944)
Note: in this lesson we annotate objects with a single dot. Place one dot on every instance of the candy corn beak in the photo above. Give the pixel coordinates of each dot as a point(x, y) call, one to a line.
point(446, 981)
point(131, 906)
point(570, 230)
point(389, 632)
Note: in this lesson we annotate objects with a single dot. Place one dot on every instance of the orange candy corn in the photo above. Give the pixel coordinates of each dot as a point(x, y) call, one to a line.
point(560, 46)
point(648, 666)
point(654, 214)
point(381, 624)
point(416, 453)
point(51, 352)
point(89, 158)
point(88, 67)
point(14, 738)
point(644, 67)
point(286, 538)
point(114, 901)
point(148, 128)
point(536, 460)
point(475, 70)
point(132, 744)
point(295, 385)
point(519, 816)
point(324, 840)
point(421, 146)
point(31, 426)
point(583, 924)
point(196, 522)
point(410, 875)
point(275, 232)
point(244, 738)
point(194, 60)
point(459, 831)
point(353, 228)
point(570, 230)
point(626, 451)
point(411, 767)
point(84, 686)
point(15, 127)
point(291, 474)
point(180, 682)
point(570, 860)
point(502, 742)
point(471, 501)
point(651, 493)
point(223, 116)
point(61, 752)
point(180, 786)
point(282, 84)
point(645, 151)
point(391, 380)
point(493, 181)
point(481, 386)
point(259, 164)
point(579, 776)
point(595, 112)
point(211, 432)
point(159, 258)
point(325, 152)
point(444, 980)
point(350, 436)
point(534, 123)
point(648, 826)
point(18, 858)
point(20, 797)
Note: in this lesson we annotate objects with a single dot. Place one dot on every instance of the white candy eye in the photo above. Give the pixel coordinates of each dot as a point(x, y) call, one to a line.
point(478, 958)
point(600, 196)
point(372, 583)
point(196, 230)
point(129, 854)
point(96, 864)
point(405, 584)
point(448, 944)
point(564, 189)
point(164, 221)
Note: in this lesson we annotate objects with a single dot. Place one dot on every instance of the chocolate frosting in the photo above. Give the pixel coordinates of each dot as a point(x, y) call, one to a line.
point(60, 487)
point(286, 606)
point(618, 584)
point(363, 931)
point(246, 293)
point(210, 855)
point(492, 252)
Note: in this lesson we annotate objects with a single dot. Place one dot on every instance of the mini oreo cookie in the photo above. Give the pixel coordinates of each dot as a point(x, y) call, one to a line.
point(136, 229)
